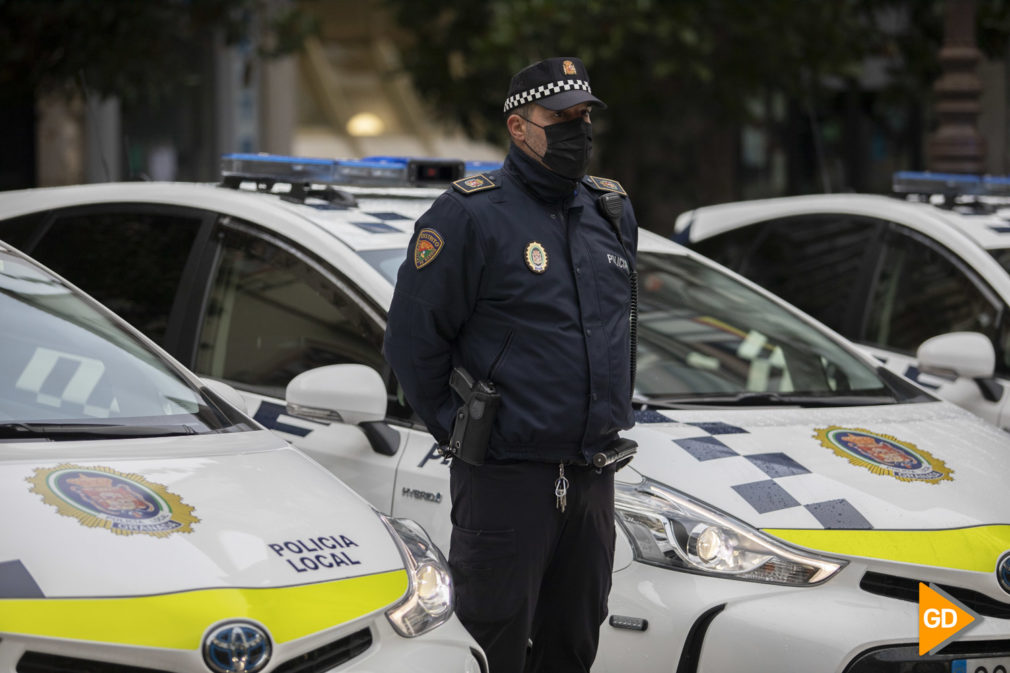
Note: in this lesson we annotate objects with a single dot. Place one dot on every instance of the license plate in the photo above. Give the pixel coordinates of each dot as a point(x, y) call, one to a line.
point(992, 665)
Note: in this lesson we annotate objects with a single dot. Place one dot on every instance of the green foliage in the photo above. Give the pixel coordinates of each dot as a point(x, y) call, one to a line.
point(681, 75)
point(646, 54)
point(139, 50)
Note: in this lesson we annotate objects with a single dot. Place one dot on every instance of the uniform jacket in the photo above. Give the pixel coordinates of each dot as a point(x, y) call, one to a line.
point(552, 334)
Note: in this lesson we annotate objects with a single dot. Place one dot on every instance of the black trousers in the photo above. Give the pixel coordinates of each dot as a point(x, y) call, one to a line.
point(525, 570)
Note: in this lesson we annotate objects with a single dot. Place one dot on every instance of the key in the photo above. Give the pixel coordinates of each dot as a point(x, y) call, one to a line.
point(561, 488)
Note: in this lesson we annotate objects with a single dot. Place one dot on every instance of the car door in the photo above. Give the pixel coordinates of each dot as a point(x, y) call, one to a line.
point(274, 310)
point(920, 291)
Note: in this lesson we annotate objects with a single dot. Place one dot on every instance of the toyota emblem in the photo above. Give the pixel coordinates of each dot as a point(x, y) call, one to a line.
point(1003, 572)
point(237, 647)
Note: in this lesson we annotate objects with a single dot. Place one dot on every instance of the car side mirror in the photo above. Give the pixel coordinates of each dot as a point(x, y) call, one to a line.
point(962, 354)
point(348, 393)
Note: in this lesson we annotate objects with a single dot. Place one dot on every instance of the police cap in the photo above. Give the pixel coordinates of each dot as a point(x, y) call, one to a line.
point(554, 83)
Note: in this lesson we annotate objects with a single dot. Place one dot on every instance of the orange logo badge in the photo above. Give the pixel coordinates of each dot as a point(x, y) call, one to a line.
point(568, 67)
point(427, 247)
point(940, 619)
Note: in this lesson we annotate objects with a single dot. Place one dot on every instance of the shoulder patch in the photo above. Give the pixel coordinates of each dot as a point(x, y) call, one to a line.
point(604, 184)
point(475, 183)
point(429, 243)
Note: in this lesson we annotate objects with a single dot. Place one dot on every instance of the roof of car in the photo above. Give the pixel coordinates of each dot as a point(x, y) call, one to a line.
point(991, 230)
point(970, 236)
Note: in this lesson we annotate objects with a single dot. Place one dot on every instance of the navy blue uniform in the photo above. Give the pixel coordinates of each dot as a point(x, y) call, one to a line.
point(517, 276)
point(555, 343)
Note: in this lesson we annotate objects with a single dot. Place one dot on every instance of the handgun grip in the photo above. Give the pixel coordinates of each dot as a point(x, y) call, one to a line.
point(619, 450)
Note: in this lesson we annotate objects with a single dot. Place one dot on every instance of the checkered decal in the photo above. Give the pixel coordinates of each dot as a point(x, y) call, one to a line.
point(67, 382)
point(781, 471)
point(544, 90)
point(381, 226)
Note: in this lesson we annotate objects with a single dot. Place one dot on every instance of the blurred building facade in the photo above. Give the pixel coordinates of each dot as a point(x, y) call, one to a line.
point(345, 95)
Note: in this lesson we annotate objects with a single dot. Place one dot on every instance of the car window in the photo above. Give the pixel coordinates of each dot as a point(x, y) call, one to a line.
point(921, 293)
point(18, 231)
point(817, 263)
point(703, 332)
point(68, 369)
point(731, 248)
point(273, 312)
point(1001, 255)
point(130, 261)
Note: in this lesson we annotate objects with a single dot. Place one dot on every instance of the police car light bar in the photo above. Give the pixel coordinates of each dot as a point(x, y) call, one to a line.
point(950, 184)
point(368, 172)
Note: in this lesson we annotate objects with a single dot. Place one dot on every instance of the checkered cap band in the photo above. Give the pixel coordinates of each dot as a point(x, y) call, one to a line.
point(545, 90)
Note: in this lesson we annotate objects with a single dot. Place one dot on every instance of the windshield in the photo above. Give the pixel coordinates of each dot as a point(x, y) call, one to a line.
point(705, 337)
point(704, 334)
point(67, 371)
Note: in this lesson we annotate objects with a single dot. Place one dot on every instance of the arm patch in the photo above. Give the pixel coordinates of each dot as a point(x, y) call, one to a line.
point(604, 184)
point(474, 184)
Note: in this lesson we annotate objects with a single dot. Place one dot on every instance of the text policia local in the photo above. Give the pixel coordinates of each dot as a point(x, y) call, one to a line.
point(316, 553)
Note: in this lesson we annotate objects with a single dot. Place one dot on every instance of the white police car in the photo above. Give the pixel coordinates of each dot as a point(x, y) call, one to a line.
point(905, 278)
point(788, 494)
point(150, 526)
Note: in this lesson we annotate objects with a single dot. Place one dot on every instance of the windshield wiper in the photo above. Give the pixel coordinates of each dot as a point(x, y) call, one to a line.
point(72, 431)
point(769, 399)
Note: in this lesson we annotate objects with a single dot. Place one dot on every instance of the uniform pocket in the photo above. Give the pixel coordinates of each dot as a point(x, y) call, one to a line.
point(483, 567)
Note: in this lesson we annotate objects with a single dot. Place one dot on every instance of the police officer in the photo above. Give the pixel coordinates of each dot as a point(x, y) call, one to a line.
point(521, 278)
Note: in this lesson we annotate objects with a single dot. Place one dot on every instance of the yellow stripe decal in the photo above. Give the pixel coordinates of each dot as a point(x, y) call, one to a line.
point(178, 621)
point(975, 549)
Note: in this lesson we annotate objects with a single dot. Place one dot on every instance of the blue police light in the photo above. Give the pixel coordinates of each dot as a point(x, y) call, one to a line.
point(925, 183)
point(369, 171)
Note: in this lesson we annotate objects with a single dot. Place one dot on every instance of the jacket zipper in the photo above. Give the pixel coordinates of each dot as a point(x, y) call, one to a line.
point(501, 356)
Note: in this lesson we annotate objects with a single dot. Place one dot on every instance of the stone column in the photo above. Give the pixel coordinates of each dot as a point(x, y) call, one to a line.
point(957, 146)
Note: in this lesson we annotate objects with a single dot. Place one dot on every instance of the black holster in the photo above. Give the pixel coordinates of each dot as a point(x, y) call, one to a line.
point(619, 452)
point(471, 430)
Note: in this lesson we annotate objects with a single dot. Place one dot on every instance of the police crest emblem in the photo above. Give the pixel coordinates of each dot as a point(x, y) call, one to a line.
point(100, 497)
point(429, 243)
point(536, 257)
point(883, 454)
point(568, 67)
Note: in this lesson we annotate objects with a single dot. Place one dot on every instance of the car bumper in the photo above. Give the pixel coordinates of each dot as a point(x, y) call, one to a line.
point(365, 646)
point(699, 624)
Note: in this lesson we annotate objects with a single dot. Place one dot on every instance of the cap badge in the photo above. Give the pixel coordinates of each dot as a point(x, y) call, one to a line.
point(427, 247)
point(568, 67)
point(536, 257)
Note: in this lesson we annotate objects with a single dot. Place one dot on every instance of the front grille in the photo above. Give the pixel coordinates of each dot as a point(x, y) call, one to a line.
point(905, 589)
point(329, 656)
point(38, 662)
point(320, 659)
point(906, 659)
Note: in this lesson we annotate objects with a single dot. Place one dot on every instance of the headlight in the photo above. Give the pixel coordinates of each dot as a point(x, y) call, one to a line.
point(428, 602)
point(671, 530)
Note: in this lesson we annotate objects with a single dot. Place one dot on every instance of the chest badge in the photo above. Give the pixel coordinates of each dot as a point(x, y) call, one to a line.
point(427, 247)
point(536, 257)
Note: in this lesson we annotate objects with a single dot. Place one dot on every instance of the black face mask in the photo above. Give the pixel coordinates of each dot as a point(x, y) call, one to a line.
point(569, 147)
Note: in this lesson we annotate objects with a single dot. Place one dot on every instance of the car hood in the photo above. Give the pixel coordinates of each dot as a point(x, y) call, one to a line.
point(865, 481)
point(226, 526)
